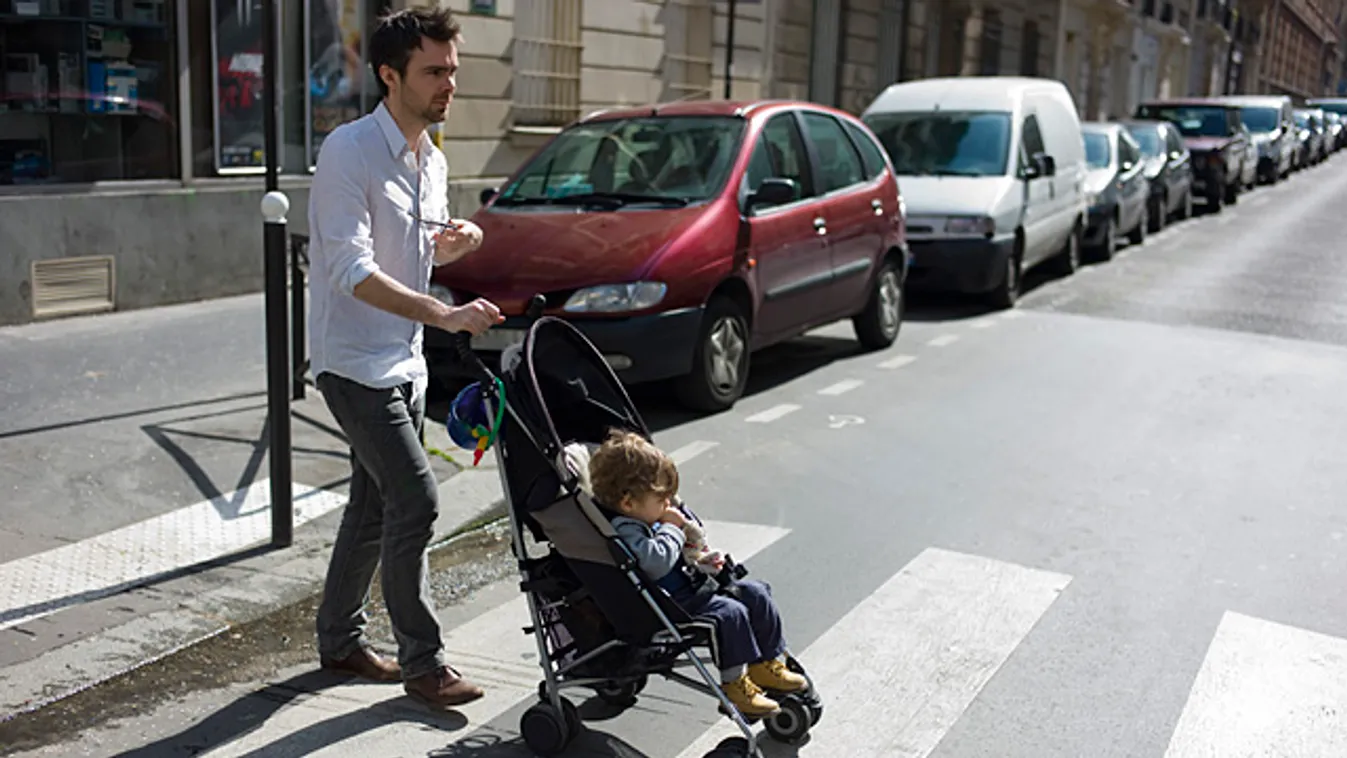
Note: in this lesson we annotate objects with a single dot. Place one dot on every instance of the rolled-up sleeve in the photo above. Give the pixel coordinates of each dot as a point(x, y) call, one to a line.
point(341, 216)
point(656, 549)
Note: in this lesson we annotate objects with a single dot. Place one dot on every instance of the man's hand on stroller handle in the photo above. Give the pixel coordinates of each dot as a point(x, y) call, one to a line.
point(473, 318)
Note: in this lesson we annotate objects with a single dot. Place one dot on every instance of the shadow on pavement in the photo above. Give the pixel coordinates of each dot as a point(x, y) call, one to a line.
point(245, 715)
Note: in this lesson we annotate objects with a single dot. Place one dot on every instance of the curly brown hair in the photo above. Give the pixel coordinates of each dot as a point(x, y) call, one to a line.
point(628, 464)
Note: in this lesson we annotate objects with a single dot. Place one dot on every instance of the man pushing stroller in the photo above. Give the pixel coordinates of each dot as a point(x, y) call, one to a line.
point(637, 480)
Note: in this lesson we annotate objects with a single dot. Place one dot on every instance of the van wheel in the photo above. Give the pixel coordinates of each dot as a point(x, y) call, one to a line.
point(1007, 293)
point(877, 326)
point(1069, 259)
point(720, 359)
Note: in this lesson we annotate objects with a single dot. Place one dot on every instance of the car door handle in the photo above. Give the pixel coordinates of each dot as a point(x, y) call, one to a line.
point(878, 206)
point(821, 225)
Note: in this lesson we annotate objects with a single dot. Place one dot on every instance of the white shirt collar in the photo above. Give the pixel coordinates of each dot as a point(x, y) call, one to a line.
point(397, 143)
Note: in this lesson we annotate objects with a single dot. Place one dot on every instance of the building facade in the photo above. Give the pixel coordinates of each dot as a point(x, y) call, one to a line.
point(131, 141)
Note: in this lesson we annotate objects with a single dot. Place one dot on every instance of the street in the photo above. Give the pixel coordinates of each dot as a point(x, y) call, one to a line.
point(1104, 523)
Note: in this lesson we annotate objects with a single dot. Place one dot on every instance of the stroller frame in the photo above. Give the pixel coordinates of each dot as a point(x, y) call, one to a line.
point(549, 725)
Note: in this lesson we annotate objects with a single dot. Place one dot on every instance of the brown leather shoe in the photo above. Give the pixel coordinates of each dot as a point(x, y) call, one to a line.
point(366, 664)
point(442, 689)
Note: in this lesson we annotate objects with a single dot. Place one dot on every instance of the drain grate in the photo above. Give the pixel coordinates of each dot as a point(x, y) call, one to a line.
point(66, 286)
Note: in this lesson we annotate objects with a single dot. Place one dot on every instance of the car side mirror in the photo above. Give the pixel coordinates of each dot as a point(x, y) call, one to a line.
point(486, 195)
point(1031, 170)
point(774, 191)
point(1047, 165)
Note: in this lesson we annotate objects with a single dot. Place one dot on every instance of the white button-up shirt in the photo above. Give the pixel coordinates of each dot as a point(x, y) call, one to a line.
point(368, 191)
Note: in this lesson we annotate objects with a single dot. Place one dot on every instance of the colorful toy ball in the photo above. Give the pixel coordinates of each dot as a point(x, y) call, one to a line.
point(468, 421)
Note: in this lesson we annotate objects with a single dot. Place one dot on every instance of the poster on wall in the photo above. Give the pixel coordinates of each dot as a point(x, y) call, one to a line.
point(335, 61)
point(236, 46)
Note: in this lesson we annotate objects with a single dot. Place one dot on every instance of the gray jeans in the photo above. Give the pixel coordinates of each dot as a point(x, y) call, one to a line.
point(388, 522)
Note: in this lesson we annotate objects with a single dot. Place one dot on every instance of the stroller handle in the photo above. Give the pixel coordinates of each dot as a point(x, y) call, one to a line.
point(462, 341)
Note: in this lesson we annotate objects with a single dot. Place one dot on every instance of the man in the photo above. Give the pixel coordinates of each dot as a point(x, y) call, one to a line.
point(377, 213)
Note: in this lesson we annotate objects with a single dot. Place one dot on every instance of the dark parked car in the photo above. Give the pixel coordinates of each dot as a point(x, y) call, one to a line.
point(1168, 166)
point(679, 238)
point(1214, 135)
point(1116, 188)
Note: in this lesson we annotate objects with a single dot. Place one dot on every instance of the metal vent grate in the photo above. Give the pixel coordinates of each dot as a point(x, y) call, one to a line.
point(66, 286)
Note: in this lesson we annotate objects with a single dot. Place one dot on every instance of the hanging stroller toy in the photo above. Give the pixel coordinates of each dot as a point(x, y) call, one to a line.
point(598, 621)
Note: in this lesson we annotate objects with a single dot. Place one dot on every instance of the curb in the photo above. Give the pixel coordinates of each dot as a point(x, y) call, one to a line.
point(468, 500)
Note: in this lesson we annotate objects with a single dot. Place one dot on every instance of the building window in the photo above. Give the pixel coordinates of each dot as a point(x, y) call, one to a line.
point(87, 92)
point(547, 50)
point(989, 63)
point(688, 63)
point(1029, 49)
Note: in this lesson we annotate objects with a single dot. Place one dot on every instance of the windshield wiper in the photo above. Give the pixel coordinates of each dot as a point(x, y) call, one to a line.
point(956, 172)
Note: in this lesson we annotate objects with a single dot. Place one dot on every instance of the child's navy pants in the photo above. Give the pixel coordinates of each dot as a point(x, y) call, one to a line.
point(748, 630)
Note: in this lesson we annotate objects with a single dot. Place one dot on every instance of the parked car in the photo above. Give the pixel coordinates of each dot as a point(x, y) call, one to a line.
point(1116, 188)
point(1336, 133)
point(1271, 121)
point(679, 238)
point(1336, 105)
point(1212, 131)
point(992, 171)
point(1168, 167)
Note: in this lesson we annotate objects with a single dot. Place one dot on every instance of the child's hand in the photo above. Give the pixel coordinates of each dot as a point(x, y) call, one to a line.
point(673, 516)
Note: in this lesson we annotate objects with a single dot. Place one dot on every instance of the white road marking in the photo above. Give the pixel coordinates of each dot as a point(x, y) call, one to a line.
point(1010, 315)
point(984, 323)
point(691, 450)
point(773, 413)
point(897, 671)
point(1266, 689)
point(490, 649)
point(898, 361)
point(108, 563)
point(841, 388)
point(943, 340)
point(837, 422)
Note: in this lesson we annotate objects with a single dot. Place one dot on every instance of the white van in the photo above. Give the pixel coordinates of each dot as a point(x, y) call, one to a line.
point(992, 170)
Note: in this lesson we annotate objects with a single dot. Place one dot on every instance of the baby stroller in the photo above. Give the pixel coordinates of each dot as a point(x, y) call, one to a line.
point(598, 621)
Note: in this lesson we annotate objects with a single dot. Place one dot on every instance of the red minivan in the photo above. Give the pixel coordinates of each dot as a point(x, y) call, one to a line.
point(679, 238)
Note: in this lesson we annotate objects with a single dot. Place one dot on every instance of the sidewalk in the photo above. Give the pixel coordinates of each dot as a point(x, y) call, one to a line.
point(136, 519)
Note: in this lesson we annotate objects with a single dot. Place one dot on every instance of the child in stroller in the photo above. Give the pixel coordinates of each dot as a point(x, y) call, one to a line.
point(633, 477)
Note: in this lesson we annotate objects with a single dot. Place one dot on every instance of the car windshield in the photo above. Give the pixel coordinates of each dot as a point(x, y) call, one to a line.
point(947, 143)
point(1096, 149)
point(1302, 119)
point(668, 160)
point(1149, 139)
point(1192, 120)
point(1261, 119)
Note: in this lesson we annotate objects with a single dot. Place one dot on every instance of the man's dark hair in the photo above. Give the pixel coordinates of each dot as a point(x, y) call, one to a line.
point(398, 34)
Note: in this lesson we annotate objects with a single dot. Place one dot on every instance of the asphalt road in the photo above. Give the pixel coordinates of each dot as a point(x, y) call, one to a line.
point(1090, 528)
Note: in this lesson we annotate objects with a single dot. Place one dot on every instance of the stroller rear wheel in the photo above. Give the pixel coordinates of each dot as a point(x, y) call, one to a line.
point(621, 693)
point(547, 732)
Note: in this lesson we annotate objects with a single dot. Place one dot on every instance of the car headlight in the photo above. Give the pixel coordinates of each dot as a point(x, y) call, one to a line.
point(441, 293)
point(981, 225)
point(616, 298)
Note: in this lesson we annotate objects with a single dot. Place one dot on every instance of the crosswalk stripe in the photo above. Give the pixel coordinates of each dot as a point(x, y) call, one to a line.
point(490, 649)
point(897, 671)
point(944, 340)
point(1265, 689)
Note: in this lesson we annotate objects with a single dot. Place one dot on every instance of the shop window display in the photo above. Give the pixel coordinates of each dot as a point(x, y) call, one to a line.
point(87, 91)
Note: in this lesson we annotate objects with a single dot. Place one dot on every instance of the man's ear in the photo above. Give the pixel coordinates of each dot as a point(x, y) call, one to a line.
point(388, 75)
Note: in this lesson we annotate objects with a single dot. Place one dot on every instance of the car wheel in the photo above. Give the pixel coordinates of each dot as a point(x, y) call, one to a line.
point(1160, 214)
point(1108, 242)
point(1186, 208)
point(719, 360)
point(877, 326)
point(1232, 192)
point(1069, 259)
point(1007, 293)
point(1138, 234)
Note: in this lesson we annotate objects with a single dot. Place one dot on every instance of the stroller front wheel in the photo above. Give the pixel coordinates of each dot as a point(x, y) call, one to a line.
point(792, 722)
point(547, 732)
